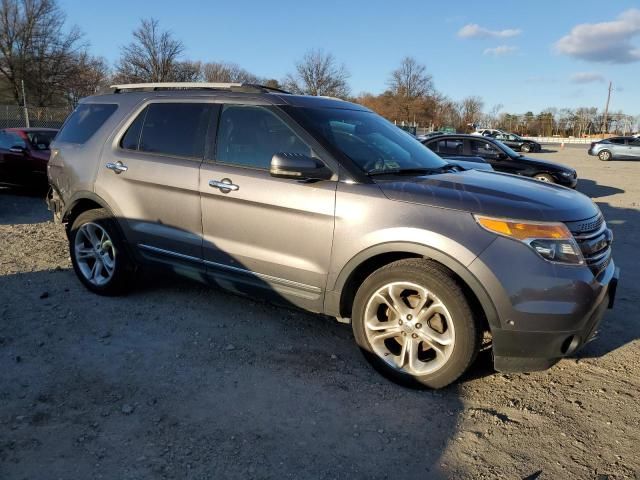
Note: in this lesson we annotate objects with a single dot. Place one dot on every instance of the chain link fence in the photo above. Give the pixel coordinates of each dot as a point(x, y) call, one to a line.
point(12, 116)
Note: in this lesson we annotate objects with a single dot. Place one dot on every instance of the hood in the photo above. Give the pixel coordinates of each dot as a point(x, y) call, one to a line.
point(546, 164)
point(491, 193)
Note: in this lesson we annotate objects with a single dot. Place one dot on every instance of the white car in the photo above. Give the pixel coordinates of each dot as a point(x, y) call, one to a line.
point(486, 132)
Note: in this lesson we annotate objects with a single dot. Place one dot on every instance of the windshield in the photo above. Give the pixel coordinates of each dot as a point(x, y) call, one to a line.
point(370, 141)
point(41, 140)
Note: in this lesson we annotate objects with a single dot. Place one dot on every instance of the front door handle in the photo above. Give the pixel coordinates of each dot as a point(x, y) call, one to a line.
point(224, 185)
point(117, 167)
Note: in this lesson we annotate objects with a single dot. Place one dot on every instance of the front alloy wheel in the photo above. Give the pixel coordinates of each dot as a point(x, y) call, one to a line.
point(409, 328)
point(414, 323)
point(604, 155)
point(526, 148)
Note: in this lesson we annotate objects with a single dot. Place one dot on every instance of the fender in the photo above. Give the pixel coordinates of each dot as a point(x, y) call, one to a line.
point(333, 297)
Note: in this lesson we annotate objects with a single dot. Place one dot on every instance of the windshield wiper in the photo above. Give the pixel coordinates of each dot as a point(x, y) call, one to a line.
point(413, 171)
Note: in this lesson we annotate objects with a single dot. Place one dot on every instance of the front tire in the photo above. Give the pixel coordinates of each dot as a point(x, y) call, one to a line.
point(544, 177)
point(526, 148)
point(98, 253)
point(604, 155)
point(414, 324)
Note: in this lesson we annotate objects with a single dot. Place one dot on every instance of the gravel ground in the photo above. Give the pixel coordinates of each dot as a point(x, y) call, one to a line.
point(177, 380)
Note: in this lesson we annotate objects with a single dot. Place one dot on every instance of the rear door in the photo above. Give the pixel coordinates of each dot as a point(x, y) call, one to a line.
point(150, 177)
point(618, 147)
point(268, 234)
point(13, 165)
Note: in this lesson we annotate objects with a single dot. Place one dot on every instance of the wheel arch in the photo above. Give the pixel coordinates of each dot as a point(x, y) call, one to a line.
point(366, 262)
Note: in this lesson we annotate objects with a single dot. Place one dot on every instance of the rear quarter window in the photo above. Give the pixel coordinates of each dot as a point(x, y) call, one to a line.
point(85, 120)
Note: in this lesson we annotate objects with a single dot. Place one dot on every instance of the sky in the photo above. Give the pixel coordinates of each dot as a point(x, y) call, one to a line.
point(521, 55)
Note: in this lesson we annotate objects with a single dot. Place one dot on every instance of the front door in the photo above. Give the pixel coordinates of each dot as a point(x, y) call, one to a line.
point(150, 178)
point(265, 233)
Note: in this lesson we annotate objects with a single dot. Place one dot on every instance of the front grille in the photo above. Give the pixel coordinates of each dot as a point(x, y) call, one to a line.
point(594, 239)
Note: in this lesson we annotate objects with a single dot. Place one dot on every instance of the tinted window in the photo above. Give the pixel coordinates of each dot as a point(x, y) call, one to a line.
point(250, 136)
point(635, 142)
point(617, 141)
point(177, 129)
point(85, 120)
point(484, 149)
point(450, 147)
point(131, 139)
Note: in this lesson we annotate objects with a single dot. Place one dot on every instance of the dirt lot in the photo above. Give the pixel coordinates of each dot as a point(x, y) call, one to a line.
point(180, 381)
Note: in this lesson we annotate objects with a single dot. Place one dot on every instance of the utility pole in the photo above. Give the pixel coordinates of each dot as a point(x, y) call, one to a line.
point(606, 111)
point(24, 103)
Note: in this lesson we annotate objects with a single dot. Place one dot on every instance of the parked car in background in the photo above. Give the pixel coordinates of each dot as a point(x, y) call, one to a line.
point(424, 136)
point(502, 158)
point(325, 205)
point(616, 148)
point(24, 154)
point(487, 132)
point(517, 143)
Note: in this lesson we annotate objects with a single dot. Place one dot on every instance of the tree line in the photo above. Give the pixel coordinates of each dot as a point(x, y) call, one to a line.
point(55, 65)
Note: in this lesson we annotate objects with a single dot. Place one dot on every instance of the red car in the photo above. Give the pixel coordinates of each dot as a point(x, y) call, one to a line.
point(24, 154)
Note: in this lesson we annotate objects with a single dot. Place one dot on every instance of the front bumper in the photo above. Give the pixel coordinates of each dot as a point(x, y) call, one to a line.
point(545, 311)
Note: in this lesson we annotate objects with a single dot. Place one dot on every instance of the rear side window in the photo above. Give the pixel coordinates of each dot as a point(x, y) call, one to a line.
point(617, 141)
point(85, 120)
point(450, 147)
point(177, 129)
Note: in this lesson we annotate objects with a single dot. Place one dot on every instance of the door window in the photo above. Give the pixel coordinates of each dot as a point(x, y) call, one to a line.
point(177, 129)
point(10, 139)
point(484, 149)
point(450, 147)
point(85, 120)
point(250, 135)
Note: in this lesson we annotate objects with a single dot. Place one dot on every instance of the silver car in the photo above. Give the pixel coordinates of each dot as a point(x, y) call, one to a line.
point(322, 204)
point(616, 148)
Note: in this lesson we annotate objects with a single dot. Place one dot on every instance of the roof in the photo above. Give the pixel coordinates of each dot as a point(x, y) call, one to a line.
point(265, 95)
point(30, 129)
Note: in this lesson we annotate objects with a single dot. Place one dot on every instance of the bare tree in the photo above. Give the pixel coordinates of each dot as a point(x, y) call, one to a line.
point(318, 73)
point(228, 73)
point(470, 111)
point(35, 47)
point(410, 79)
point(92, 73)
point(152, 56)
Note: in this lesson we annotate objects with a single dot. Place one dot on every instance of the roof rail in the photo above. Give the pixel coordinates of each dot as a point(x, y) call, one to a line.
point(234, 87)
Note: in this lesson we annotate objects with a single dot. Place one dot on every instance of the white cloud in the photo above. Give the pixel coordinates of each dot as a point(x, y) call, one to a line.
point(607, 42)
point(587, 77)
point(500, 51)
point(473, 30)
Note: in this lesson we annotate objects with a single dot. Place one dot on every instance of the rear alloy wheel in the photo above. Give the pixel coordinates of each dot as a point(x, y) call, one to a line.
point(526, 148)
point(414, 324)
point(98, 255)
point(604, 155)
point(544, 177)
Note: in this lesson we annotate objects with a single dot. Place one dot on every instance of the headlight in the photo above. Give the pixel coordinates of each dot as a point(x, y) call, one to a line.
point(552, 241)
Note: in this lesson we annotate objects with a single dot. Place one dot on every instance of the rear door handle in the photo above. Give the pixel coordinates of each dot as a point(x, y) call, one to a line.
point(224, 185)
point(117, 167)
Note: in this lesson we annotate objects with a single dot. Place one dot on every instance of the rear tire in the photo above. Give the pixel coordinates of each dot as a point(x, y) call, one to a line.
point(98, 253)
point(414, 324)
point(604, 155)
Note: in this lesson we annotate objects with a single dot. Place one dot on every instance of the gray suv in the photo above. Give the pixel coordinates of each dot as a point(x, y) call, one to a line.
point(322, 204)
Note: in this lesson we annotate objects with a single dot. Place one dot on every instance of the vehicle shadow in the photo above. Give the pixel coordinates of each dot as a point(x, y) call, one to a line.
point(180, 380)
point(595, 190)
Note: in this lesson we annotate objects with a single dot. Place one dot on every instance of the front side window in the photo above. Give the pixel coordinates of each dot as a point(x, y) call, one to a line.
point(85, 120)
point(249, 136)
point(484, 149)
point(176, 129)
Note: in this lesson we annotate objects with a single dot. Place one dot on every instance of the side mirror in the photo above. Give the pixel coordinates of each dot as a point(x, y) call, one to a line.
point(17, 149)
point(297, 166)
